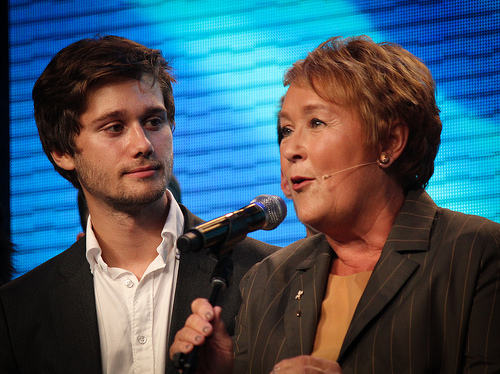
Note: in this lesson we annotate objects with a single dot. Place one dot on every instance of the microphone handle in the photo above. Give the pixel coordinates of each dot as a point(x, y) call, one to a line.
point(190, 360)
point(220, 280)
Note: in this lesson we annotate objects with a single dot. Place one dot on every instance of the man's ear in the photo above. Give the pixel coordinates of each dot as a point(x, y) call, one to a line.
point(63, 160)
point(397, 140)
point(285, 187)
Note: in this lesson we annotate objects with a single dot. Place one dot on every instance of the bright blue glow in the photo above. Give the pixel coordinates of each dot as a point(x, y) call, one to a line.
point(229, 59)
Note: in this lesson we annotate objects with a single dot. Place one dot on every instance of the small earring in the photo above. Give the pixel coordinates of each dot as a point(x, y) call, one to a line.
point(384, 159)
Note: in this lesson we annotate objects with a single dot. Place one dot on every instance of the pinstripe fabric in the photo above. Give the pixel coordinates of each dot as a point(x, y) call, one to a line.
point(432, 304)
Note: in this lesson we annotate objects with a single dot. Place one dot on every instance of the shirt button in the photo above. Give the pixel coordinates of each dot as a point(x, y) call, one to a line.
point(142, 339)
point(129, 283)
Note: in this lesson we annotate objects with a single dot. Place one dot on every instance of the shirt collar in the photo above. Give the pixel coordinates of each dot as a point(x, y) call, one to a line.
point(172, 229)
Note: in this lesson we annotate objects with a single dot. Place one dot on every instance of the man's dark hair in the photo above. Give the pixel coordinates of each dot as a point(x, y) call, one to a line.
point(60, 93)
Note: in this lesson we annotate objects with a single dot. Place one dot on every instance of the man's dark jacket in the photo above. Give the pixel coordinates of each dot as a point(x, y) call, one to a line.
point(48, 320)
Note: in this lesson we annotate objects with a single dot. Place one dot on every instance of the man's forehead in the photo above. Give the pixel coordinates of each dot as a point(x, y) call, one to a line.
point(118, 98)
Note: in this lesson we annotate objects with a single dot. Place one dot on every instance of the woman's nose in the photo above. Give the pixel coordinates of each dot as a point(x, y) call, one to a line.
point(293, 147)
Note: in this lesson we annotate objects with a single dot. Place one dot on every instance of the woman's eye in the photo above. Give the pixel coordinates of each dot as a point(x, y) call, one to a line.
point(316, 122)
point(286, 131)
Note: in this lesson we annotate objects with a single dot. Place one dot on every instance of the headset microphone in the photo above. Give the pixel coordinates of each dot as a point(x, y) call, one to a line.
point(325, 177)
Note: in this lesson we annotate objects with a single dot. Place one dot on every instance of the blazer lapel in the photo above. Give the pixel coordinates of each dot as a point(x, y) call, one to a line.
point(410, 233)
point(72, 303)
point(194, 268)
point(305, 297)
point(383, 285)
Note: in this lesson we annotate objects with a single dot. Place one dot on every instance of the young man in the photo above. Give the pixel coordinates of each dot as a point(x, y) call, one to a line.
point(112, 302)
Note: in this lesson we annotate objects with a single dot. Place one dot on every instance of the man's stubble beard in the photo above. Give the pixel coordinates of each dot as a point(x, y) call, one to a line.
point(122, 199)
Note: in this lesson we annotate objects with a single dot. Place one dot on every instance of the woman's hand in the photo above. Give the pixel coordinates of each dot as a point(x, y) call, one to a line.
point(306, 365)
point(205, 327)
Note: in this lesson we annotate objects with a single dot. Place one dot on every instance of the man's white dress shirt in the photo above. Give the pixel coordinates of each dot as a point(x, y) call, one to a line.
point(134, 316)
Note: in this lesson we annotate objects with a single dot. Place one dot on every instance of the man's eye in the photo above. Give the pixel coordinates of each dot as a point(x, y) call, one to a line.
point(114, 128)
point(155, 123)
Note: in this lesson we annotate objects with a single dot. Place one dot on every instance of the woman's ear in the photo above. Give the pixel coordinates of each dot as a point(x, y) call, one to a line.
point(63, 160)
point(395, 144)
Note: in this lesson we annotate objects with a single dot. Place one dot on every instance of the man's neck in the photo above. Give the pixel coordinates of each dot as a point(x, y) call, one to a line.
point(129, 240)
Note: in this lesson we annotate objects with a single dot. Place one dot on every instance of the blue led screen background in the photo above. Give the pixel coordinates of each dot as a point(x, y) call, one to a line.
point(229, 58)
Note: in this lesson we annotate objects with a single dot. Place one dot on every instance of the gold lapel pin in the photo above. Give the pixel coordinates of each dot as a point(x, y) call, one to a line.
point(299, 295)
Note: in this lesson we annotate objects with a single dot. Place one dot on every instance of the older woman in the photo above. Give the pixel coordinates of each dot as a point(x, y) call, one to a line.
point(393, 283)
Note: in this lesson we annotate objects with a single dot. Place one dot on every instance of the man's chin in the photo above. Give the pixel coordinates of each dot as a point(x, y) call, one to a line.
point(136, 201)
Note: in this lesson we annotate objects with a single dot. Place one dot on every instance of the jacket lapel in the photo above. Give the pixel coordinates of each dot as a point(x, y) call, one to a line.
point(305, 297)
point(193, 269)
point(383, 285)
point(72, 303)
point(410, 233)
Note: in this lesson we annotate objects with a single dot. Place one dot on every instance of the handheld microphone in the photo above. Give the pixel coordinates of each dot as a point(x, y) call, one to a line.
point(264, 212)
point(325, 177)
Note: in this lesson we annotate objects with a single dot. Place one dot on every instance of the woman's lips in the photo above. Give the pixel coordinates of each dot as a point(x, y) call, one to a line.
point(299, 182)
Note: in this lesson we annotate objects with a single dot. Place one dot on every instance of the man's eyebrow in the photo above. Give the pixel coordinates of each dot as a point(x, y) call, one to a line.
point(108, 116)
point(156, 110)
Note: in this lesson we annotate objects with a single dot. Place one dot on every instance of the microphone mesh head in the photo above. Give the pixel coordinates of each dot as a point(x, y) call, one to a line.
point(275, 209)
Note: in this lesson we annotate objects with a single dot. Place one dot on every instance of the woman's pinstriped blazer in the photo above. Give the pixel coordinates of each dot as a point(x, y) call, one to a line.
point(432, 304)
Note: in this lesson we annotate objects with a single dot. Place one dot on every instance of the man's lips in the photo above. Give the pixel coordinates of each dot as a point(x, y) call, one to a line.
point(143, 171)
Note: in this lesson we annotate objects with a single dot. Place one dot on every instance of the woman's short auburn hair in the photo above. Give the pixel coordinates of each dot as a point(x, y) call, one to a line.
point(385, 85)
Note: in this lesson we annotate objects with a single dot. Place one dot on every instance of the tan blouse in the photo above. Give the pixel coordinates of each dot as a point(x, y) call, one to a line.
point(340, 302)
